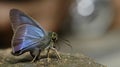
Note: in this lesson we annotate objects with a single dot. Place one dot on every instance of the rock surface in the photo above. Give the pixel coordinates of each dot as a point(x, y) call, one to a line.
point(68, 60)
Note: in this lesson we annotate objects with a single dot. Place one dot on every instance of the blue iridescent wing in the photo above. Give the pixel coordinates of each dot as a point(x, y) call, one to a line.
point(26, 31)
point(18, 18)
point(26, 35)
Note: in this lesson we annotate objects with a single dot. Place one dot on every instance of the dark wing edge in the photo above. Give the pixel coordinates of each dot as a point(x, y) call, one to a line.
point(18, 18)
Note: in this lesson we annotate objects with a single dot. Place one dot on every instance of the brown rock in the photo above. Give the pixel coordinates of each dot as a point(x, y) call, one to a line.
point(68, 60)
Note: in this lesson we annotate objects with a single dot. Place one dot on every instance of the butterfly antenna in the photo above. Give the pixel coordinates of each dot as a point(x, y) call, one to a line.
point(67, 42)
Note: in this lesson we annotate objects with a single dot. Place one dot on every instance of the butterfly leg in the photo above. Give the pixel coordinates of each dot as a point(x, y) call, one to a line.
point(48, 56)
point(35, 54)
point(56, 52)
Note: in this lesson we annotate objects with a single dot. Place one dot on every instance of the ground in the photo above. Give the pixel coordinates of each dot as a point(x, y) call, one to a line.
point(68, 60)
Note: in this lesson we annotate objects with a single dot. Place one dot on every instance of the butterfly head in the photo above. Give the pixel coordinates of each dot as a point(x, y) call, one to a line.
point(53, 36)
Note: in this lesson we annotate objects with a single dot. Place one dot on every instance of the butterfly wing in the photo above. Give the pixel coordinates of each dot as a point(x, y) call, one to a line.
point(18, 18)
point(25, 36)
point(26, 31)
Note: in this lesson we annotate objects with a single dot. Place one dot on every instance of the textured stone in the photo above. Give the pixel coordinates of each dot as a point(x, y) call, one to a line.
point(68, 60)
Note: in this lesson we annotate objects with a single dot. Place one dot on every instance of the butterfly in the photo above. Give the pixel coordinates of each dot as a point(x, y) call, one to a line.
point(29, 36)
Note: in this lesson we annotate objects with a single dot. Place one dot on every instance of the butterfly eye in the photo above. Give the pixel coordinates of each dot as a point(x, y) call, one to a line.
point(54, 36)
